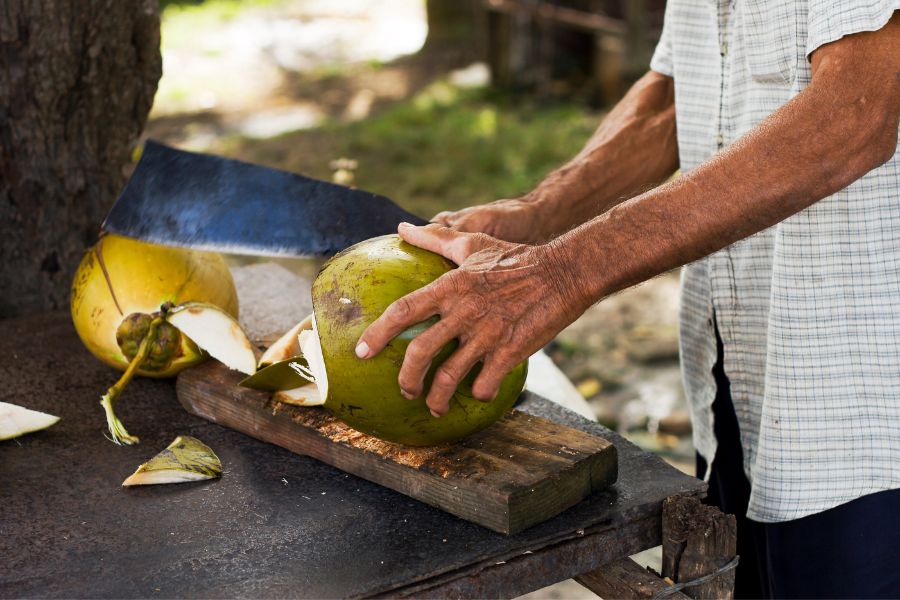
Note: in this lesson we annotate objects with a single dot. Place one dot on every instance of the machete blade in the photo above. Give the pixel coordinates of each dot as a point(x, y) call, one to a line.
point(208, 202)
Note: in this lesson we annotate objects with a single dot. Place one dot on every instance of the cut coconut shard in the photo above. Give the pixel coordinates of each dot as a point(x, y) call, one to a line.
point(286, 346)
point(311, 349)
point(186, 459)
point(17, 420)
point(216, 332)
point(307, 395)
point(301, 340)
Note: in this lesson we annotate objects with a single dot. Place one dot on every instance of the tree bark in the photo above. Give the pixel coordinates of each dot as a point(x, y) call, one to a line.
point(459, 25)
point(77, 79)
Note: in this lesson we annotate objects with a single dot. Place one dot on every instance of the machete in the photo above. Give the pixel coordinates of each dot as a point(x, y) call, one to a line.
point(208, 202)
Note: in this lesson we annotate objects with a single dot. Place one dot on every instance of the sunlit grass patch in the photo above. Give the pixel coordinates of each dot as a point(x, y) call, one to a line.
point(462, 151)
point(446, 149)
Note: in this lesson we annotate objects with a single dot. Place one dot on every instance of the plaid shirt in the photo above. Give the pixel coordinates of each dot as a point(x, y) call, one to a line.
point(808, 310)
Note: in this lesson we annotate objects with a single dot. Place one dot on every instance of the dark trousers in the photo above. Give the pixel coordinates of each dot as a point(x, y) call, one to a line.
point(850, 551)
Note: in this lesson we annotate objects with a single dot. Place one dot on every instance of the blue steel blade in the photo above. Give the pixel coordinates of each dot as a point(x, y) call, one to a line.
point(207, 202)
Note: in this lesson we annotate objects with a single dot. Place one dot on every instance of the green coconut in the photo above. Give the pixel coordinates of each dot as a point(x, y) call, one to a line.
point(352, 290)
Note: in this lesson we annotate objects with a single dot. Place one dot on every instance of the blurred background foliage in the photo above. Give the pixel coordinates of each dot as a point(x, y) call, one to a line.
point(443, 149)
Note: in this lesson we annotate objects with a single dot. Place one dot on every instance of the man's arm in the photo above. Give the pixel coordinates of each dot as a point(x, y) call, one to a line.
point(633, 149)
point(843, 125)
point(506, 301)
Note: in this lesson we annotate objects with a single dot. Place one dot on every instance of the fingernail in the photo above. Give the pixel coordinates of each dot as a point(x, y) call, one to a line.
point(362, 350)
point(404, 225)
point(434, 414)
point(406, 394)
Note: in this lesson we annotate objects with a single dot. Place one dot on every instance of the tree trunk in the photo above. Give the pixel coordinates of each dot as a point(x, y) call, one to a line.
point(458, 25)
point(77, 79)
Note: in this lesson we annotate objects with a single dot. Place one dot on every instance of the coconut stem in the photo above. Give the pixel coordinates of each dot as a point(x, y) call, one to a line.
point(117, 430)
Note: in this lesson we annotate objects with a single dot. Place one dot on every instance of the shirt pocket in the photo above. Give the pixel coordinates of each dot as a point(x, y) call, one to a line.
point(770, 40)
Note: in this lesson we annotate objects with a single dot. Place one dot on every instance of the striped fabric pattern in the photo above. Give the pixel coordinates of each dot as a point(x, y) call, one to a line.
point(808, 310)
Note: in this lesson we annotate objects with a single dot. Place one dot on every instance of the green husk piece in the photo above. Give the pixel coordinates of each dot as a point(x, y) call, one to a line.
point(16, 420)
point(283, 375)
point(186, 459)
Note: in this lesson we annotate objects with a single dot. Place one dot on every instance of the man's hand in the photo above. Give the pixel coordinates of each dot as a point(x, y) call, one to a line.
point(516, 220)
point(633, 149)
point(503, 303)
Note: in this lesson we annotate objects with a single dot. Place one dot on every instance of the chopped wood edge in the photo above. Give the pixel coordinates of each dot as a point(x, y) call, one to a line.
point(506, 511)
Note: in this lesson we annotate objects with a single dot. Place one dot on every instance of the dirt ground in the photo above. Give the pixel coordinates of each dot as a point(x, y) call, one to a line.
point(303, 84)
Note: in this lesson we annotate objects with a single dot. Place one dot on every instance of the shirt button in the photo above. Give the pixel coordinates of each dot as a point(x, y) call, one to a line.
point(723, 49)
point(720, 140)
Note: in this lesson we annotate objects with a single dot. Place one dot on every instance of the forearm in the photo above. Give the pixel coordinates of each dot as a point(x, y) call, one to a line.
point(791, 160)
point(508, 299)
point(632, 150)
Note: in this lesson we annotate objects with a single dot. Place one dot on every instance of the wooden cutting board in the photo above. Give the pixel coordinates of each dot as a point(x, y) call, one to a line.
point(518, 472)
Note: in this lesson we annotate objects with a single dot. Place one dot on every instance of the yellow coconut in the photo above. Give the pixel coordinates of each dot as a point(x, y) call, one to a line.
point(149, 310)
point(121, 279)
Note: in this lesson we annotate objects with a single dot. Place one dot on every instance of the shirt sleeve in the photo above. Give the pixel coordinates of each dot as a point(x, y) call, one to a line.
point(662, 56)
point(830, 20)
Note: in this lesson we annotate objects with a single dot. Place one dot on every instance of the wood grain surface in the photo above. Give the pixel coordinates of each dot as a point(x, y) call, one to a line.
point(520, 471)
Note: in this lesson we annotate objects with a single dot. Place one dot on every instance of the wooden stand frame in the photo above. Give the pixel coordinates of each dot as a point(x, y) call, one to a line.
point(521, 48)
point(698, 540)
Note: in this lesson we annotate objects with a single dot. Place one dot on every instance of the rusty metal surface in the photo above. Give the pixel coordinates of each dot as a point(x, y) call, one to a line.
point(276, 524)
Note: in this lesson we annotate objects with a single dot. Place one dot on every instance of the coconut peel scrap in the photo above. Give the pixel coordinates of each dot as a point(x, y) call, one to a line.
point(300, 342)
point(311, 348)
point(306, 395)
point(185, 459)
point(283, 375)
point(287, 346)
point(17, 420)
point(216, 332)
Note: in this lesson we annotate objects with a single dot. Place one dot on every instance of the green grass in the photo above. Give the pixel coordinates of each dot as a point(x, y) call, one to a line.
point(442, 150)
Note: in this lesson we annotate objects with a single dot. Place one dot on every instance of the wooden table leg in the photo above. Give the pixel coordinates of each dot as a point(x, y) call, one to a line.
point(698, 540)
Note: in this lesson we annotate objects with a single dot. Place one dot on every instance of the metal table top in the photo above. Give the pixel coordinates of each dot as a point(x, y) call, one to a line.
point(276, 524)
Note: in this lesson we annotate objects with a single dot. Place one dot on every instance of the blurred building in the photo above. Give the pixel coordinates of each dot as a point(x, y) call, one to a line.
point(551, 46)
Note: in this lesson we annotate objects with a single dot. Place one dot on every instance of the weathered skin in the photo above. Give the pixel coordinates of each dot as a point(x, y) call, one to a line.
point(614, 236)
point(352, 290)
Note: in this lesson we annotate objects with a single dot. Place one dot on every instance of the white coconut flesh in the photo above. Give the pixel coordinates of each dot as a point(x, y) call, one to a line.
point(160, 476)
point(311, 349)
point(287, 346)
point(185, 459)
point(216, 332)
point(301, 340)
point(306, 395)
point(18, 420)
